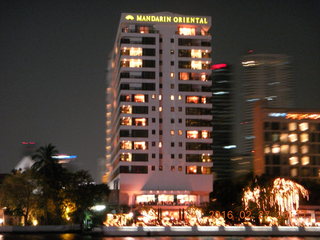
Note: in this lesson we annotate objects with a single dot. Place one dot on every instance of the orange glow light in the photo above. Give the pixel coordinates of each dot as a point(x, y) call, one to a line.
point(300, 116)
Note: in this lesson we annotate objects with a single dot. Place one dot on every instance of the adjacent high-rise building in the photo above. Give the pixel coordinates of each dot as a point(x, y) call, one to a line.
point(264, 77)
point(223, 120)
point(159, 110)
point(287, 142)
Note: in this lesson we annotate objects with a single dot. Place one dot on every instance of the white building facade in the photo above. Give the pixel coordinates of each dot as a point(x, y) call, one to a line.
point(159, 111)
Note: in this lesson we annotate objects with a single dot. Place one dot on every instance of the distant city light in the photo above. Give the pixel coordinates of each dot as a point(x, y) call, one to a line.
point(300, 116)
point(277, 114)
point(64, 156)
point(218, 66)
point(28, 143)
point(98, 207)
point(220, 93)
point(230, 146)
point(249, 63)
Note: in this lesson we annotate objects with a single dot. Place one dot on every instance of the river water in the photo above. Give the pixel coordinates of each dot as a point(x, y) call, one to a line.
point(68, 236)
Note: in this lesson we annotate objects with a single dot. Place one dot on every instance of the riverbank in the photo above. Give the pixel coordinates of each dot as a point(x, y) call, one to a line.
point(41, 229)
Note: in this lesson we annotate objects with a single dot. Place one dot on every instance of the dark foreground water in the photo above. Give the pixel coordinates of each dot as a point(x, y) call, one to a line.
point(68, 236)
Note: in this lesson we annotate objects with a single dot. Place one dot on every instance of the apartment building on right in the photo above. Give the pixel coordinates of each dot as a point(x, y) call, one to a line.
point(287, 142)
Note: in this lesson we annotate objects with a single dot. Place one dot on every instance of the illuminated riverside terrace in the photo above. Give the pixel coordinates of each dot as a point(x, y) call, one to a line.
point(159, 112)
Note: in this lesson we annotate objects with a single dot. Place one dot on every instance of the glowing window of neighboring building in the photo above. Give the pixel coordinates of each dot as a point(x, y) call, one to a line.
point(205, 170)
point(195, 53)
point(205, 134)
point(284, 148)
point(293, 137)
point(193, 134)
point(192, 99)
point(126, 157)
point(203, 100)
point(304, 149)
point(293, 149)
point(187, 31)
point(294, 172)
point(304, 137)
point(165, 198)
point(145, 199)
point(284, 137)
point(305, 160)
point(206, 157)
point(184, 76)
point(144, 29)
point(153, 96)
point(191, 169)
point(160, 144)
point(140, 145)
point(186, 199)
point(196, 65)
point(135, 51)
point(140, 122)
point(180, 132)
point(160, 97)
point(293, 160)
point(275, 148)
point(139, 98)
point(160, 109)
point(292, 126)
point(267, 150)
point(135, 63)
point(126, 145)
point(172, 97)
point(171, 132)
point(126, 109)
point(172, 75)
point(303, 126)
point(126, 121)
point(180, 97)
point(203, 77)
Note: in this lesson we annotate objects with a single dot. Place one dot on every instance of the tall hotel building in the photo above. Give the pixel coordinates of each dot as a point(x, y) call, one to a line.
point(265, 77)
point(159, 111)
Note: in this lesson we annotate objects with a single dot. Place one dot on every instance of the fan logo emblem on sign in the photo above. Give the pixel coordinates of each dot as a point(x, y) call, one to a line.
point(129, 17)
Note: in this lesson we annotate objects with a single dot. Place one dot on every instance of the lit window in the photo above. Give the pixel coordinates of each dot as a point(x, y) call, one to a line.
point(180, 97)
point(267, 150)
point(126, 121)
point(160, 97)
point(153, 96)
point(187, 31)
point(293, 160)
point(160, 145)
point(284, 137)
point(303, 126)
point(140, 122)
point(144, 29)
point(165, 198)
point(203, 77)
point(126, 109)
point(293, 149)
point(140, 145)
point(193, 134)
point(304, 137)
point(293, 137)
point(284, 148)
point(192, 99)
point(160, 109)
point(203, 100)
point(304, 149)
point(180, 132)
point(139, 98)
point(135, 63)
point(126, 157)
point(205, 170)
point(205, 134)
point(206, 158)
point(292, 126)
point(172, 97)
point(172, 132)
point(135, 51)
point(126, 145)
point(191, 169)
point(196, 53)
point(184, 76)
point(294, 172)
point(275, 149)
point(172, 75)
point(145, 199)
point(305, 160)
point(196, 65)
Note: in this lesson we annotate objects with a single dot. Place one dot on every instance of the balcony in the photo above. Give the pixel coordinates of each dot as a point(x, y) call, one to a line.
point(194, 88)
point(138, 75)
point(195, 65)
point(193, 42)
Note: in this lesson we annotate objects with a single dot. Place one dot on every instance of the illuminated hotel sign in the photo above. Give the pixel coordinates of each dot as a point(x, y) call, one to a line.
point(296, 116)
point(167, 19)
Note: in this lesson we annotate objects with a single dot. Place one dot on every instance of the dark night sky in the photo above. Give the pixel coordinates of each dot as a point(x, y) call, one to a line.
point(53, 58)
